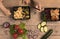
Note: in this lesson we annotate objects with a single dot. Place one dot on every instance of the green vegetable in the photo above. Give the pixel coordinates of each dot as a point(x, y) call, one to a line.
point(22, 25)
point(27, 16)
point(25, 31)
point(43, 16)
point(12, 26)
point(47, 34)
point(24, 37)
point(27, 12)
point(12, 31)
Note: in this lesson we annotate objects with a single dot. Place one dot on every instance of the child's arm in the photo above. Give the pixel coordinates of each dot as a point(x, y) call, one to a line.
point(38, 6)
point(5, 10)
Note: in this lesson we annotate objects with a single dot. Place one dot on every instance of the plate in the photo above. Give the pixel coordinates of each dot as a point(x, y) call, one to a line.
point(20, 12)
point(50, 14)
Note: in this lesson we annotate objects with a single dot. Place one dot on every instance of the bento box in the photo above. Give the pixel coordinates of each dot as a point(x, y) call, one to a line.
point(20, 12)
point(50, 14)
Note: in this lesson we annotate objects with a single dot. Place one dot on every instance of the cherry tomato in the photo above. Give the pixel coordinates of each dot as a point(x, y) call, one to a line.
point(16, 27)
point(15, 35)
point(20, 31)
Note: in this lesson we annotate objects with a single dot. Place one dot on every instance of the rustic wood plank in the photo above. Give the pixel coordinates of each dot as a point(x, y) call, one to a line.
point(31, 24)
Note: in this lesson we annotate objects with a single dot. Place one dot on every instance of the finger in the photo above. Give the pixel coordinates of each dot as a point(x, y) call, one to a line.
point(38, 6)
point(1, 0)
point(26, 1)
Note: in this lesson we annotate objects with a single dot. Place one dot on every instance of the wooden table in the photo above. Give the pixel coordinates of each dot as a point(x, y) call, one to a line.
point(31, 24)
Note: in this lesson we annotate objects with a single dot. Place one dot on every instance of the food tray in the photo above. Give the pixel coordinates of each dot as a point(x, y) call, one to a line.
point(15, 8)
point(50, 14)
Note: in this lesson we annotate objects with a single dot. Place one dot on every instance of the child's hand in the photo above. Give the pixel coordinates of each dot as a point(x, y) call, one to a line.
point(38, 6)
point(4, 9)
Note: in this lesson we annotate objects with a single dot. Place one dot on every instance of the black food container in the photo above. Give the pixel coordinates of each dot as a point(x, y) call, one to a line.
point(50, 14)
point(25, 12)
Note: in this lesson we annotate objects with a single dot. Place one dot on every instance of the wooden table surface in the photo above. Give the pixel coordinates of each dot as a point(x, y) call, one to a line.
point(32, 23)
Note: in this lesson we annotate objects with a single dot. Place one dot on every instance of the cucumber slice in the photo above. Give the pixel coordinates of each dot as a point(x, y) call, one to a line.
point(39, 25)
point(45, 29)
point(43, 23)
point(42, 29)
point(27, 16)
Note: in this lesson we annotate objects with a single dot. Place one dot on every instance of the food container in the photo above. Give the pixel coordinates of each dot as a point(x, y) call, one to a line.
point(50, 14)
point(20, 12)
